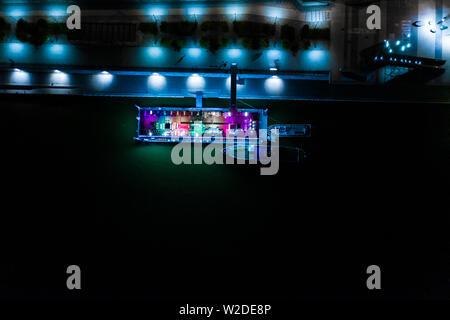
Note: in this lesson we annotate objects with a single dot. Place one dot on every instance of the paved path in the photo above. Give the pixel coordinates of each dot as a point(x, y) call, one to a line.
point(172, 84)
point(148, 84)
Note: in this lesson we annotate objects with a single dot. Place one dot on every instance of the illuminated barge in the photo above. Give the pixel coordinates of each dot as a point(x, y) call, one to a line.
point(173, 124)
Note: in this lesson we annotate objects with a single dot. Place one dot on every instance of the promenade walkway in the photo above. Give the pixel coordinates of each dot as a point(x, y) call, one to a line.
point(149, 54)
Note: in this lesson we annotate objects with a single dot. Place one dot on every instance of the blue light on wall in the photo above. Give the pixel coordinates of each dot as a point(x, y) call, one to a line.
point(195, 82)
point(15, 47)
point(274, 85)
point(195, 11)
point(157, 81)
point(274, 12)
point(315, 59)
point(235, 10)
point(20, 77)
point(16, 12)
point(194, 52)
point(316, 55)
point(274, 54)
point(57, 49)
point(155, 52)
point(234, 53)
point(56, 11)
point(103, 79)
point(157, 11)
point(58, 77)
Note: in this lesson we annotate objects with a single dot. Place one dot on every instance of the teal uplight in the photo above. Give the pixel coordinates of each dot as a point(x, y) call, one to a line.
point(316, 55)
point(195, 10)
point(234, 53)
point(275, 12)
point(274, 85)
point(58, 77)
point(103, 80)
point(15, 47)
point(16, 12)
point(155, 52)
point(195, 82)
point(236, 9)
point(157, 81)
point(194, 52)
point(157, 11)
point(17, 51)
point(274, 54)
point(56, 11)
point(315, 59)
point(20, 77)
point(57, 49)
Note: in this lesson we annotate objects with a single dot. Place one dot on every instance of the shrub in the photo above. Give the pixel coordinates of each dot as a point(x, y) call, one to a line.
point(253, 29)
point(286, 44)
point(5, 29)
point(295, 48)
point(287, 32)
point(23, 31)
point(214, 26)
point(304, 32)
point(148, 28)
point(34, 33)
point(56, 28)
point(174, 43)
point(247, 43)
point(314, 34)
point(319, 34)
point(180, 28)
point(306, 44)
point(213, 43)
point(224, 42)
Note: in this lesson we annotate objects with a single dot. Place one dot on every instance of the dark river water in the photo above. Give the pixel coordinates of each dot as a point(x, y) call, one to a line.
point(78, 189)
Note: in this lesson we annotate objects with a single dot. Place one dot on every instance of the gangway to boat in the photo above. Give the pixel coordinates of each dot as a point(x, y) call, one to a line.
point(291, 130)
